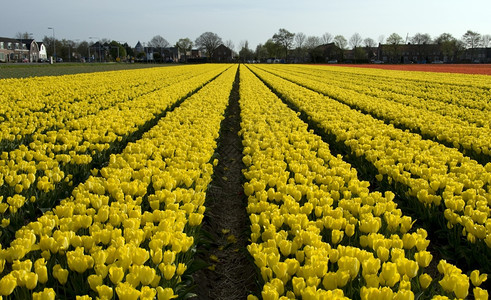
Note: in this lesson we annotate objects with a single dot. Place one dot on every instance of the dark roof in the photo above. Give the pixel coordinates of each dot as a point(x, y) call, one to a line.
point(5, 39)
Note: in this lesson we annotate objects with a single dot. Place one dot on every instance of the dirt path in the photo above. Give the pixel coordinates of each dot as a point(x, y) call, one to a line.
point(230, 274)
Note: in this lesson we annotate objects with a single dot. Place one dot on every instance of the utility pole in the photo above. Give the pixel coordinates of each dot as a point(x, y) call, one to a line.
point(54, 42)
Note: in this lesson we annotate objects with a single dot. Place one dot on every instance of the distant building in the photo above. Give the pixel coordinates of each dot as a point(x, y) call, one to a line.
point(222, 54)
point(327, 52)
point(12, 50)
point(43, 52)
point(33, 48)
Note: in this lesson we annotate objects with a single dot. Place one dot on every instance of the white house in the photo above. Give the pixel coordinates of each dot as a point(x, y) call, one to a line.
point(43, 53)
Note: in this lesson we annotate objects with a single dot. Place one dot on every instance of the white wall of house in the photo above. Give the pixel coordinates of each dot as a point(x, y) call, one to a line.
point(42, 52)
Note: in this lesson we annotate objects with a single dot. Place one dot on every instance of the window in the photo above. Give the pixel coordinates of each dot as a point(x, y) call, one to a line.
point(2, 56)
point(9, 46)
point(1, 45)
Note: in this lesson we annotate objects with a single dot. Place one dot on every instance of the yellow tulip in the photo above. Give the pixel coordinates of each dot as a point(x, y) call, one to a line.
point(31, 280)
point(126, 292)
point(299, 284)
point(477, 278)
point(41, 270)
point(425, 280)
point(165, 294)
point(105, 292)
point(94, 281)
point(389, 274)
point(423, 258)
point(7, 284)
point(116, 274)
point(46, 294)
point(147, 293)
point(60, 274)
point(480, 294)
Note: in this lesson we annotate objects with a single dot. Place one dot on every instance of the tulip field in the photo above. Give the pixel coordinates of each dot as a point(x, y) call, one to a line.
point(357, 183)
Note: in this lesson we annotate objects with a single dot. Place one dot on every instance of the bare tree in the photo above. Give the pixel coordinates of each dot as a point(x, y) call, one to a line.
point(229, 44)
point(355, 40)
point(421, 39)
point(340, 41)
point(369, 42)
point(300, 39)
point(471, 39)
point(158, 42)
point(381, 39)
point(208, 41)
point(326, 38)
point(23, 35)
point(486, 40)
point(311, 44)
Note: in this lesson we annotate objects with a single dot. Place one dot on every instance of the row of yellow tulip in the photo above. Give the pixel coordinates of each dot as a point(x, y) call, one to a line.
point(354, 92)
point(460, 89)
point(468, 104)
point(316, 230)
point(435, 174)
point(46, 103)
point(30, 173)
point(127, 231)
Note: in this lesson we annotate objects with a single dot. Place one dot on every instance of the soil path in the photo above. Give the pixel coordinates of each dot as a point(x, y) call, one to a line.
point(230, 274)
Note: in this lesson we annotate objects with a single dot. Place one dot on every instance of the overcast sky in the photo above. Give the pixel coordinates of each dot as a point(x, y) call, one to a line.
point(253, 20)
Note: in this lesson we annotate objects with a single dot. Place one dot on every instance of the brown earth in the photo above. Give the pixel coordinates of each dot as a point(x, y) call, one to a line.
point(230, 273)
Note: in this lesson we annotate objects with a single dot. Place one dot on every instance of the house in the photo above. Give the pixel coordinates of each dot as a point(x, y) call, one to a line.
point(327, 52)
point(43, 52)
point(222, 54)
point(12, 50)
point(410, 53)
point(171, 54)
point(33, 48)
point(6, 49)
point(477, 55)
point(97, 52)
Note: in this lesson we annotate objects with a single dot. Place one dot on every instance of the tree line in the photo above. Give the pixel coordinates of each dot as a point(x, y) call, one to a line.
point(282, 45)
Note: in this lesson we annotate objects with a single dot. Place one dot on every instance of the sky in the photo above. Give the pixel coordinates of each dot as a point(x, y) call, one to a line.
point(254, 21)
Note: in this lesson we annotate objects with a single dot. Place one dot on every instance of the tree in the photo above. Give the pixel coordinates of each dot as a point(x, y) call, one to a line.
point(471, 39)
point(369, 42)
point(117, 50)
point(300, 39)
point(340, 42)
point(421, 39)
point(273, 49)
point(245, 53)
point(184, 45)
point(158, 42)
point(83, 49)
point(229, 44)
point(355, 40)
point(312, 46)
point(326, 38)
point(486, 40)
point(448, 45)
point(394, 40)
point(208, 41)
point(300, 46)
point(284, 39)
point(381, 39)
point(261, 52)
point(23, 35)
